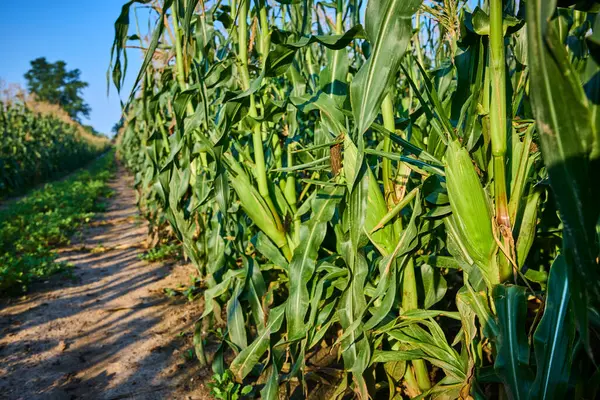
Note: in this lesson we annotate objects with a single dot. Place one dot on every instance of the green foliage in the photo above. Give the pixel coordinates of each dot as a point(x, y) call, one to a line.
point(32, 228)
point(53, 83)
point(378, 194)
point(161, 252)
point(223, 387)
point(35, 147)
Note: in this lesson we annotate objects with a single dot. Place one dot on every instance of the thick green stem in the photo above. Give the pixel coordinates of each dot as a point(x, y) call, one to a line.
point(417, 41)
point(178, 50)
point(409, 378)
point(290, 186)
point(265, 44)
point(179, 59)
point(265, 34)
point(257, 144)
point(410, 302)
point(199, 344)
point(243, 46)
point(387, 111)
point(498, 120)
point(339, 17)
point(498, 130)
point(290, 192)
point(180, 71)
point(259, 157)
point(310, 66)
point(163, 132)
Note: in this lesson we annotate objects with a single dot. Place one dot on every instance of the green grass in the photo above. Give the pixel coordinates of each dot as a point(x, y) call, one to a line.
point(34, 227)
point(166, 251)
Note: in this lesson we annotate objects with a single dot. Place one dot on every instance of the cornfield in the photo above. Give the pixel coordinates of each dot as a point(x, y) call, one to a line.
point(38, 145)
point(382, 200)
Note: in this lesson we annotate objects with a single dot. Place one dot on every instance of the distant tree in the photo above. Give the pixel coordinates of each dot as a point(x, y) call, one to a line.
point(117, 126)
point(92, 130)
point(52, 82)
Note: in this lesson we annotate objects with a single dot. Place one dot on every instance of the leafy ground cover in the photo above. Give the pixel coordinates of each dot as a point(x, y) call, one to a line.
point(162, 252)
point(32, 228)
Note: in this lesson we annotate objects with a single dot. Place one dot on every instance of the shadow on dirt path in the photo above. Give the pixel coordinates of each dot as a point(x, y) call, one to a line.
point(110, 332)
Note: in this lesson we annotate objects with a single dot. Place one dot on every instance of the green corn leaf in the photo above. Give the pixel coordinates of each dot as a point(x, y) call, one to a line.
point(151, 48)
point(190, 6)
point(427, 314)
point(434, 345)
point(279, 60)
point(332, 79)
point(302, 265)
point(512, 360)
point(250, 355)
point(384, 237)
point(394, 211)
point(420, 165)
point(266, 247)
point(356, 347)
point(554, 336)
point(386, 290)
point(118, 47)
point(235, 318)
point(527, 226)
point(385, 356)
point(433, 109)
point(478, 302)
point(434, 285)
point(317, 295)
point(255, 291)
point(389, 29)
point(271, 389)
point(219, 289)
point(406, 145)
point(334, 42)
point(481, 22)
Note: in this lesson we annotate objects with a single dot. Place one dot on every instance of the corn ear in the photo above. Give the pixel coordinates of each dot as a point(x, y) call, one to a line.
point(254, 205)
point(470, 207)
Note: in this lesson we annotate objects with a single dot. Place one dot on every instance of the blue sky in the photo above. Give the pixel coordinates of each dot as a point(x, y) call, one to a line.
point(80, 32)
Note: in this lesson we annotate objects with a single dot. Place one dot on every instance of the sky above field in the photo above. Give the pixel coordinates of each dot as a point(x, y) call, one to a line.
point(75, 31)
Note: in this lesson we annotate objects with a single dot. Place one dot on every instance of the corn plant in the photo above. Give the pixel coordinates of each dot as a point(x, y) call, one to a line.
point(36, 147)
point(393, 198)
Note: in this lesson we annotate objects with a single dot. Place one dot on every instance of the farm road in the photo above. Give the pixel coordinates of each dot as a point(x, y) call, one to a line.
point(109, 333)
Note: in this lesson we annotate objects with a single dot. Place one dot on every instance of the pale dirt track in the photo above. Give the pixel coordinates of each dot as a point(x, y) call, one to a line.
point(109, 333)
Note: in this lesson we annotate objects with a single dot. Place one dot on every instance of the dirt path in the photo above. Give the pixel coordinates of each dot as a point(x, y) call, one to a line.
point(110, 333)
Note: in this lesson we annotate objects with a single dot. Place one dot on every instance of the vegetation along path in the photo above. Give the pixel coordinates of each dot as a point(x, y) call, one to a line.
point(110, 332)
